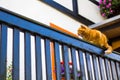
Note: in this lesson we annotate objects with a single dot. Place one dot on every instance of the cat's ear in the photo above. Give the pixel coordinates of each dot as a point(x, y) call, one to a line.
point(84, 27)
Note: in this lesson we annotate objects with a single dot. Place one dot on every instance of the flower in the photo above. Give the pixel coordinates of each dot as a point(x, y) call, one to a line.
point(109, 8)
point(71, 71)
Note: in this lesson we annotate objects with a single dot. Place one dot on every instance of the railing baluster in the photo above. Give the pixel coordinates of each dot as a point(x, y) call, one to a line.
point(106, 67)
point(27, 56)
point(114, 73)
point(3, 52)
point(108, 70)
point(66, 61)
point(57, 61)
point(15, 55)
point(102, 69)
point(89, 66)
point(96, 68)
point(118, 69)
point(48, 59)
point(82, 65)
point(74, 63)
point(0, 35)
point(38, 58)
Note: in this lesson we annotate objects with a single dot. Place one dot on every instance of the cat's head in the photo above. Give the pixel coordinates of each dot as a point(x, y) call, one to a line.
point(82, 29)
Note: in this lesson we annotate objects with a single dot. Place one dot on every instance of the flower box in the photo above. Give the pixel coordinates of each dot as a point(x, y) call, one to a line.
point(109, 8)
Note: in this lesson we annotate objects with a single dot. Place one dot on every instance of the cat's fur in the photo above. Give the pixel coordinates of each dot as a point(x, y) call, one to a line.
point(95, 37)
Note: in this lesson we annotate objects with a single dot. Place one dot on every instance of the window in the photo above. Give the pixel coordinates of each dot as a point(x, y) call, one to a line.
point(71, 9)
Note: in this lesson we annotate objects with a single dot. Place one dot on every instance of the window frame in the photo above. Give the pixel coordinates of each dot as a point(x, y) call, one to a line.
point(95, 2)
point(74, 14)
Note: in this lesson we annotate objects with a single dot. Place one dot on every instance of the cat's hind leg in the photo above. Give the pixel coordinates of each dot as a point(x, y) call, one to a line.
point(109, 49)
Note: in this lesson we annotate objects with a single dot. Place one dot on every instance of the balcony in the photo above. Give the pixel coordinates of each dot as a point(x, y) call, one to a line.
point(87, 58)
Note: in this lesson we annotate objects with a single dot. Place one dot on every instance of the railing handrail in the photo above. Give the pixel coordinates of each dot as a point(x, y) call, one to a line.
point(41, 29)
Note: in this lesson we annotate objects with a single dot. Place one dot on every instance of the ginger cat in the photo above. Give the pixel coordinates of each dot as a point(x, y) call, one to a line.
point(95, 37)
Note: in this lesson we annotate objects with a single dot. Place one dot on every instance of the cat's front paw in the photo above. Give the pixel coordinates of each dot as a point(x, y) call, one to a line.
point(108, 52)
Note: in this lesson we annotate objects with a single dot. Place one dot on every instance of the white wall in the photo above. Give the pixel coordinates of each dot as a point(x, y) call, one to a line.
point(39, 11)
point(89, 10)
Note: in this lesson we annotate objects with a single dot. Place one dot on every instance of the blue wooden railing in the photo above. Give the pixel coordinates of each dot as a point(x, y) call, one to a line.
point(93, 63)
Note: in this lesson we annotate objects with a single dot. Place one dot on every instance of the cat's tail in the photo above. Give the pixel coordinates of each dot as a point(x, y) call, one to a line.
point(109, 49)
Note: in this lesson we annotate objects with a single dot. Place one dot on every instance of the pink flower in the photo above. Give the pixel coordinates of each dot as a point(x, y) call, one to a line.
point(111, 11)
point(103, 14)
point(109, 4)
point(104, 1)
point(100, 2)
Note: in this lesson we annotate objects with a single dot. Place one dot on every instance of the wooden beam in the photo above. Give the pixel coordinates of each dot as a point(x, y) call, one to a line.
point(116, 44)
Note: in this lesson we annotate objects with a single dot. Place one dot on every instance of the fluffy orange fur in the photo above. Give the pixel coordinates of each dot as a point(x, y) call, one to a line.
point(95, 37)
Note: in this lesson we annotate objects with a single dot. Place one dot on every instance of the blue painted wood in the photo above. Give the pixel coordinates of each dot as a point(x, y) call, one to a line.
point(114, 73)
point(44, 31)
point(48, 59)
point(96, 68)
point(66, 62)
point(36, 27)
point(15, 54)
point(108, 70)
point(118, 69)
point(57, 60)
point(0, 34)
point(3, 52)
point(27, 56)
point(82, 64)
point(74, 62)
point(89, 66)
point(114, 56)
point(38, 58)
point(102, 70)
point(47, 32)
